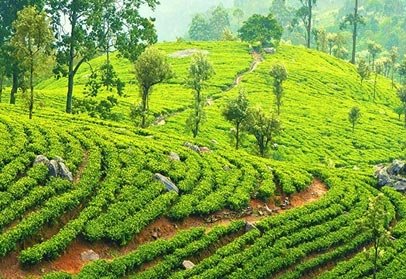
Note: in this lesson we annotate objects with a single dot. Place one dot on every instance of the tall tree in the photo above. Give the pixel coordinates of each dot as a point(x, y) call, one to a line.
point(151, 68)
point(402, 97)
point(305, 15)
point(378, 71)
point(79, 43)
point(8, 14)
point(200, 71)
point(238, 14)
point(31, 42)
point(402, 71)
point(3, 66)
point(279, 74)
point(199, 29)
point(354, 116)
point(236, 112)
point(321, 39)
point(263, 127)
point(363, 70)
point(219, 21)
point(282, 12)
point(375, 222)
point(263, 29)
point(393, 55)
point(374, 49)
point(353, 20)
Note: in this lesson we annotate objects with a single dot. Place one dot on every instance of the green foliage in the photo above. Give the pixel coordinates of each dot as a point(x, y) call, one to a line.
point(199, 29)
point(236, 112)
point(200, 71)
point(303, 17)
point(402, 97)
point(264, 128)
point(86, 34)
point(210, 28)
point(363, 70)
point(263, 29)
point(31, 43)
point(106, 78)
point(374, 49)
point(151, 68)
point(218, 22)
point(279, 74)
point(354, 116)
point(375, 222)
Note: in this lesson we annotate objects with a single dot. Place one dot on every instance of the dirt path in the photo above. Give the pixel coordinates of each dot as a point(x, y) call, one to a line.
point(163, 228)
point(257, 59)
point(254, 65)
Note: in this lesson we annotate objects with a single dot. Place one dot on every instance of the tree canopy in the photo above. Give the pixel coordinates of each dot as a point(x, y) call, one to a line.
point(263, 29)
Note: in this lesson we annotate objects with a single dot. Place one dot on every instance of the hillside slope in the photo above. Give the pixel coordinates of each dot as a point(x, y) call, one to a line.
point(115, 207)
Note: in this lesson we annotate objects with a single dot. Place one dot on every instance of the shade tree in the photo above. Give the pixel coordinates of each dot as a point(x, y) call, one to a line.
point(264, 128)
point(354, 116)
point(279, 75)
point(200, 71)
point(265, 30)
point(31, 43)
point(151, 68)
point(236, 112)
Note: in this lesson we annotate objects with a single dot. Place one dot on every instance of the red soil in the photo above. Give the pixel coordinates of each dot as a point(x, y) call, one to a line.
point(71, 261)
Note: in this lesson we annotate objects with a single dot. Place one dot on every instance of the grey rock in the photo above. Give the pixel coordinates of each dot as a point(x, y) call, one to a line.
point(53, 168)
point(89, 255)
point(169, 185)
point(41, 159)
point(403, 171)
point(270, 50)
point(174, 157)
point(400, 186)
point(383, 177)
point(64, 172)
point(249, 226)
point(192, 146)
point(188, 264)
point(396, 167)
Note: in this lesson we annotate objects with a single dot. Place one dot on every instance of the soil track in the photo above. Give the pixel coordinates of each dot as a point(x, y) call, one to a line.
point(164, 228)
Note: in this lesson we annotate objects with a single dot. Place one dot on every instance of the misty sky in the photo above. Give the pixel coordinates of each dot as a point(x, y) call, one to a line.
point(174, 16)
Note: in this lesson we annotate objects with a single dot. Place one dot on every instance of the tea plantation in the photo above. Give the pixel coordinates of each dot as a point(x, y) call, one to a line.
point(114, 197)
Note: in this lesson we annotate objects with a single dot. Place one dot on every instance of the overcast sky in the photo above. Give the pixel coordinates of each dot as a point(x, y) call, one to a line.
point(174, 16)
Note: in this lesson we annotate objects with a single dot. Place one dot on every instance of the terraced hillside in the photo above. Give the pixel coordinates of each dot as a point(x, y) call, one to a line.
point(115, 207)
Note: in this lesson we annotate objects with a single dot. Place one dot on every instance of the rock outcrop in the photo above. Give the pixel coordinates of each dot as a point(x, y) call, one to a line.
point(169, 185)
point(56, 167)
point(393, 175)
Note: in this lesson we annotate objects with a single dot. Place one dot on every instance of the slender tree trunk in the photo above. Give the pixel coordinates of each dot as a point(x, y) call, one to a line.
point(71, 74)
point(1, 87)
point(197, 114)
point(309, 26)
point(31, 104)
point(144, 107)
point(393, 76)
point(375, 259)
point(355, 33)
point(375, 82)
point(237, 136)
point(14, 87)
